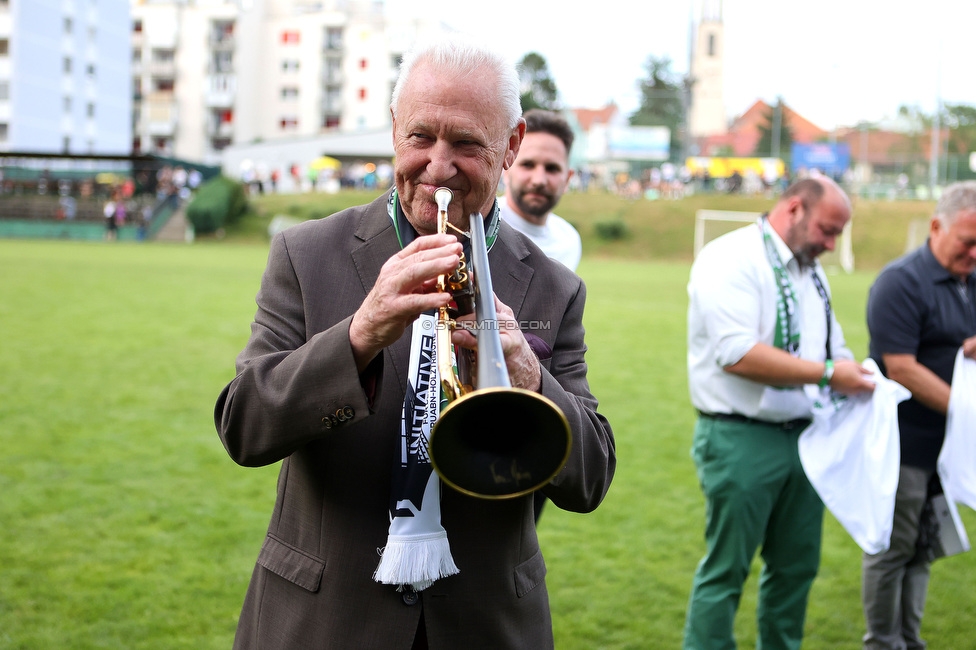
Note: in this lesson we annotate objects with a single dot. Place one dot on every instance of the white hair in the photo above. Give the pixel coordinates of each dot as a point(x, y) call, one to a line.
point(958, 197)
point(459, 54)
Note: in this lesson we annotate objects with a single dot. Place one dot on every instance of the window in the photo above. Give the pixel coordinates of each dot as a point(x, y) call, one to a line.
point(290, 37)
point(66, 65)
point(90, 109)
point(3, 131)
point(223, 61)
point(66, 144)
point(4, 46)
point(67, 25)
point(363, 64)
point(333, 38)
point(67, 104)
point(290, 65)
point(289, 93)
point(4, 90)
point(288, 123)
point(137, 25)
point(711, 45)
point(160, 55)
point(90, 70)
point(137, 54)
point(362, 93)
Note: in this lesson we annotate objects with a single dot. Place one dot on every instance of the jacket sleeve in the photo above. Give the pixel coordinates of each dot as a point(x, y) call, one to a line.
point(290, 388)
point(584, 481)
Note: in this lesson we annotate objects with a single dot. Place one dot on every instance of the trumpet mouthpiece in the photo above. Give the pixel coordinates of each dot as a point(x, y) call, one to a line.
point(443, 196)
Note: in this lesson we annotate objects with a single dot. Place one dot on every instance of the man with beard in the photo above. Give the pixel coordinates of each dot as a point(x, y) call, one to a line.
point(761, 338)
point(536, 182)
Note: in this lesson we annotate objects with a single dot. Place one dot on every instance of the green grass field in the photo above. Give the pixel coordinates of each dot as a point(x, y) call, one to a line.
point(123, 523)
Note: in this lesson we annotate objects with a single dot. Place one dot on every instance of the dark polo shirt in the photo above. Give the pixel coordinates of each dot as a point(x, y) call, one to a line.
point(916, 307)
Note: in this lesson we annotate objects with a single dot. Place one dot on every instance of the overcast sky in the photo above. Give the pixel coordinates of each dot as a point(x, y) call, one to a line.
point(834, 61)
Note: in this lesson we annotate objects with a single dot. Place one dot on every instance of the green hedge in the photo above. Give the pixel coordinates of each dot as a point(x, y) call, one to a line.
point(217, 203)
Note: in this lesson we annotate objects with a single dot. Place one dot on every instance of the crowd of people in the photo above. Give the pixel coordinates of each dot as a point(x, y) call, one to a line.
point(340, 382)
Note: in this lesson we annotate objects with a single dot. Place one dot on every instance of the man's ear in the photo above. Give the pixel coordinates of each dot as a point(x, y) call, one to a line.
point(514, 142)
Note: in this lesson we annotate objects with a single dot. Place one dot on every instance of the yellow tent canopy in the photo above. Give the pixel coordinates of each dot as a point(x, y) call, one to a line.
point(324, 162)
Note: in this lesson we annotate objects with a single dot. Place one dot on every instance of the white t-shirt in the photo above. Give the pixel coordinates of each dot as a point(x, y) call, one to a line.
point(557, 238)
point(732, 306)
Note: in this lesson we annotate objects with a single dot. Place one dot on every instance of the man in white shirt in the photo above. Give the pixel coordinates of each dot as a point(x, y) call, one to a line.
point(760, 328)
point(536, 182)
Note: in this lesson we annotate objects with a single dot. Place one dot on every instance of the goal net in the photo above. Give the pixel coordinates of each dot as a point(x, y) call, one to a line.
point(710, 224)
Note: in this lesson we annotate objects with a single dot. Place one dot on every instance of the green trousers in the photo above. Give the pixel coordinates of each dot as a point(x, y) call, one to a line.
point(756, 497)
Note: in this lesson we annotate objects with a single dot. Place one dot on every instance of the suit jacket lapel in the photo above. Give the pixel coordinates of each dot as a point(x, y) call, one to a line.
point(510, 276)
point(378, 244)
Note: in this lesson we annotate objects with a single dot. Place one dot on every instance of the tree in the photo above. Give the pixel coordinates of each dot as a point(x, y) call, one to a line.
point(961, 121)
point(773, 142)
point(537, 86)
point(663, 103)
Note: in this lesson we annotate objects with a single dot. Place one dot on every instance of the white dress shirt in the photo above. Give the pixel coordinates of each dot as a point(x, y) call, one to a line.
point(557, 238)
point(733, 298)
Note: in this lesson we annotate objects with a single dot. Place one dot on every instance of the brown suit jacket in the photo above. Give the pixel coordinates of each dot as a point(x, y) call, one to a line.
point(312, 586)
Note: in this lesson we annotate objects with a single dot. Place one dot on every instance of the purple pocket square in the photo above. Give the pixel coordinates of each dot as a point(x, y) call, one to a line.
point(540, 347)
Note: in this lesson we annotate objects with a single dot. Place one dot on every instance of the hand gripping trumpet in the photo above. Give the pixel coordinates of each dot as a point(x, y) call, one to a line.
point(491, 441)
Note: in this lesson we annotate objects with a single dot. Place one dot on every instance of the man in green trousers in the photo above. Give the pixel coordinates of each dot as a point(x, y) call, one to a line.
point(762, 342)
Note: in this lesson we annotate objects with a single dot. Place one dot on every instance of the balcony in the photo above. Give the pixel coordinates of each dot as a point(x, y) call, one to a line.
point(164, 69)
point(162, 114)
point(332, 77)
point(220, 130)
point(221, 90)
point(222, 42)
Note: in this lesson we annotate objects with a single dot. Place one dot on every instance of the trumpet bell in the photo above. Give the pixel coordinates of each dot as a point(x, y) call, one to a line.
point(500, 443)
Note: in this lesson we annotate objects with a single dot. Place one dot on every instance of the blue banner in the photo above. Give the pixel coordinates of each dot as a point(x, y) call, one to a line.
point(831, 159)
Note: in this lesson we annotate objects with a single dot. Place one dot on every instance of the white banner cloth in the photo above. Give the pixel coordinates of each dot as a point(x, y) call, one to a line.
point(957, 460)
point(851, 455)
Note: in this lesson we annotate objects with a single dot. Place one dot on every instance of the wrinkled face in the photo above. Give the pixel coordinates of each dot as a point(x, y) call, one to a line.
point(539, 177)
point(450, 131)
point(955, 246)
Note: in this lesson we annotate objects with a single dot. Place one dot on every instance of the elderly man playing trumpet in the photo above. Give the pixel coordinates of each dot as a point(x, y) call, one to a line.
point(338, 382)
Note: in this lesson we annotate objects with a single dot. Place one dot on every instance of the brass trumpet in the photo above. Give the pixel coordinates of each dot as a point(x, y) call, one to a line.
point(491, 441)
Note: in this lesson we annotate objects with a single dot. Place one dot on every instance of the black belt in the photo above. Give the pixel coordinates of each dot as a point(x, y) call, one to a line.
point(789, 425)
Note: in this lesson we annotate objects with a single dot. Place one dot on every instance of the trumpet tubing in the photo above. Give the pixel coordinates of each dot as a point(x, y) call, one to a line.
point(492, 441)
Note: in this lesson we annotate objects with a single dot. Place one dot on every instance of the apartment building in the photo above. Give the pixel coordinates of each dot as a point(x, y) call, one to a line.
point(209, 73)
point(182, 67)
point(64, 76)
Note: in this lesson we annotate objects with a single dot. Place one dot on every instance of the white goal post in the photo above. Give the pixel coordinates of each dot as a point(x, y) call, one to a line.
point(726, 220)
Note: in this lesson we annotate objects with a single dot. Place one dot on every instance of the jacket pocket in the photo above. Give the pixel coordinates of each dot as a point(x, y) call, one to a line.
point(291, 563)
point(530, 574)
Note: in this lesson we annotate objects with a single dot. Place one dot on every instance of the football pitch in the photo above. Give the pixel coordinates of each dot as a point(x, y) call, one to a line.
point(124, 524)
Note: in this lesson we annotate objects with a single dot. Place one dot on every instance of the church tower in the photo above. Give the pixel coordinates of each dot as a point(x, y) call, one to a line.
point(707, 110)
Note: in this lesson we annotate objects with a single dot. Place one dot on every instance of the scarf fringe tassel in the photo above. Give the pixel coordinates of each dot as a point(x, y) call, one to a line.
point(415, 560)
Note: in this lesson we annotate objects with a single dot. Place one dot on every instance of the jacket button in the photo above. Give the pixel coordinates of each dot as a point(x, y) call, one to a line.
point(410, 597)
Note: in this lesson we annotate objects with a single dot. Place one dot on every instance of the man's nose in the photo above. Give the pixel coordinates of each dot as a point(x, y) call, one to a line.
point(441, 165)
point(539, 176)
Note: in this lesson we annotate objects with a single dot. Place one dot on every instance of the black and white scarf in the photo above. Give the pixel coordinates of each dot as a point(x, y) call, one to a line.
point(417, 550)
